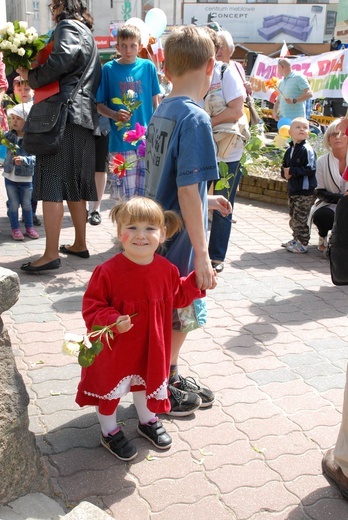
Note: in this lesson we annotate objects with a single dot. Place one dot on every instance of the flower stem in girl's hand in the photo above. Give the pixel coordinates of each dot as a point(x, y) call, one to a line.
point(87, 348)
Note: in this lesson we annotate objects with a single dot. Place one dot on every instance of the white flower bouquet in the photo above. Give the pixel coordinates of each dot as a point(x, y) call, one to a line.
point(19, 45)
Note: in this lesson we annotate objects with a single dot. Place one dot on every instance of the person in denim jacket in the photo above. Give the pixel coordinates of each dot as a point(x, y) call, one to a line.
point(18, 173)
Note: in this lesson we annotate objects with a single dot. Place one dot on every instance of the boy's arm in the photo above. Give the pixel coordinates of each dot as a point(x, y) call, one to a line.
point(155, 102)
point(191, 210)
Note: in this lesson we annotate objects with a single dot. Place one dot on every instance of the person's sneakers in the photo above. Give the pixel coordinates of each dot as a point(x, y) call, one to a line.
point(17, 234)
point(31, 232)
point(288, 243)
point(188, 384)
point(155, 433)
point(297, 247)
point(334, 472)
point(36, 221)
point(322, 244)
point(182, 403)
point(118, 445)
point(95, 218)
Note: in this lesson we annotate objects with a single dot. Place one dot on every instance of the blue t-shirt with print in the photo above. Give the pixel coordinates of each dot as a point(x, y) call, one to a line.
point(117, 78)
point(179, 152)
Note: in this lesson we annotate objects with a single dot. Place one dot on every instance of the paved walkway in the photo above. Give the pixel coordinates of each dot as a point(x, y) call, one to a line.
point(274, 351)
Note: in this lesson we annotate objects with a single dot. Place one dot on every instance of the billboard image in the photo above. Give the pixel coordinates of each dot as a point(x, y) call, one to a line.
point(264, 23)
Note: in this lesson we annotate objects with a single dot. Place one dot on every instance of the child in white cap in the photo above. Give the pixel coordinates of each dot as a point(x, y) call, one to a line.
point(18, 173)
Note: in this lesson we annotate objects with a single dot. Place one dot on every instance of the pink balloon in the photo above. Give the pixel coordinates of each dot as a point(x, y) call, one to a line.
point(345, 90)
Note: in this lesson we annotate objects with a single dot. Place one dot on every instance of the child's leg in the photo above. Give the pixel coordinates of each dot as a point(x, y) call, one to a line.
point(291, 203)
point(26, 189)
point(12, 191)
point(152, 429)
point(302, 207)
point(112, 437)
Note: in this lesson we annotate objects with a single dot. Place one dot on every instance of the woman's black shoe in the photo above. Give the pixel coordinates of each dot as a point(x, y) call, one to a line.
point(54, 264)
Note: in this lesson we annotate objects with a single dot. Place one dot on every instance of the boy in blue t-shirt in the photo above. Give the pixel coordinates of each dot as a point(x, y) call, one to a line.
point(180, 159)
point(137, 79)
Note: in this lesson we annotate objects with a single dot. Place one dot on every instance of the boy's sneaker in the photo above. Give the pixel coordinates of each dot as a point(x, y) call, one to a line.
point(288, 243)
point(322, 244)
point(36, 221)
point(17, 234)
point(118, 445)
point(31, 232)
point(182, 403)
point(155, 433)
point(297, 247)
point(188, 384)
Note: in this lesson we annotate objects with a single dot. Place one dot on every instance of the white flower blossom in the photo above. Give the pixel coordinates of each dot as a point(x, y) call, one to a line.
point(14, 49)
point(70, 348)
point(130, 94)
point(23, 25)
point(21, 51)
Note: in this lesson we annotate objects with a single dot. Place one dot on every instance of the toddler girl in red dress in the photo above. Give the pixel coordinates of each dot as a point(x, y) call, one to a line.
point(137, 282)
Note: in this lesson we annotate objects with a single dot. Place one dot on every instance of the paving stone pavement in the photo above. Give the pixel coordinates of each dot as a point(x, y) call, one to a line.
point(274, 351)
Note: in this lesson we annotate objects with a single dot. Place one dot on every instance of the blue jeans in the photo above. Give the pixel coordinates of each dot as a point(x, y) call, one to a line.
point(19, 194)
point(221, 226)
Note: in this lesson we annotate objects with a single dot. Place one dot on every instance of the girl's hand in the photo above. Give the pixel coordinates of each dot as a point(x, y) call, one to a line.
point(124, 324)
point(220, 203)
point(17, 160)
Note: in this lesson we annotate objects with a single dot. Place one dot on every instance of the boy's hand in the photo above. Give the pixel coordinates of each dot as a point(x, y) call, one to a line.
point(124, 324)
point(220, 203)
point(287, 173)
point(123, 115)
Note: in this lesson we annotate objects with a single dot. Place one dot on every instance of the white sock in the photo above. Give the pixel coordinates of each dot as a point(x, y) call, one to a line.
point(108, 423)
point(140, 403)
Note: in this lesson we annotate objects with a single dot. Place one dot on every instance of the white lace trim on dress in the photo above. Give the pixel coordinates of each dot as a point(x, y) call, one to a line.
point(124, 386)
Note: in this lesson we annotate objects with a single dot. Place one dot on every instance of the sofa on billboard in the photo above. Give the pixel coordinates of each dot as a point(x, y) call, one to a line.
point(297, 26)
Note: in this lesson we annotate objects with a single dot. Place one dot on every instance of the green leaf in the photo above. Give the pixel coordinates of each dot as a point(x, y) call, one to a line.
point(97, 327)
point(223, 168)
point(97, 347)
point(117, 101)
point(86, 357)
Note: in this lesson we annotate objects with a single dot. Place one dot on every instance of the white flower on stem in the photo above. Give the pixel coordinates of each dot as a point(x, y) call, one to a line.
point(14, 48)
point(10, 29)
point(23, 25)
point(21, 51)
point(16, 41)
point(71, 348)
point(130, 94)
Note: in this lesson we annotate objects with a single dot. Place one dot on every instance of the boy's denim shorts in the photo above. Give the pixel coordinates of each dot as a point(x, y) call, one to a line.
point(190, 318)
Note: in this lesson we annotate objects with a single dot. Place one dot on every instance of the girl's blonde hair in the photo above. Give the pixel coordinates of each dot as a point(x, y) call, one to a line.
point(330, 129)
point(139, 209)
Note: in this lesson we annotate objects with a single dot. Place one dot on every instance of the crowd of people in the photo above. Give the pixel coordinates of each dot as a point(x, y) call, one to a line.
point(153, 292)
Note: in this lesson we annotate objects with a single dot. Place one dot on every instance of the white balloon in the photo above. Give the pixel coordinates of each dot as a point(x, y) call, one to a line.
point(156, 22)
point(144, 30)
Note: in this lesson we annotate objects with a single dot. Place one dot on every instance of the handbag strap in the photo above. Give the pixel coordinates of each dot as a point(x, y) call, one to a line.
point(81, 80)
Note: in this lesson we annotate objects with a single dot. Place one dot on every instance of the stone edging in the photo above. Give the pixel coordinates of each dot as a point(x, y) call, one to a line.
point(264, 190)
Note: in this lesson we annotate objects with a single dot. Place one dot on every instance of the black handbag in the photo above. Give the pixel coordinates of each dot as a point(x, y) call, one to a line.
point(46, 122)
point(44, 127)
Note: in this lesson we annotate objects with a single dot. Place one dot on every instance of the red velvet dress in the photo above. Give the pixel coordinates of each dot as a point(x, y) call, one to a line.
point(140, 358)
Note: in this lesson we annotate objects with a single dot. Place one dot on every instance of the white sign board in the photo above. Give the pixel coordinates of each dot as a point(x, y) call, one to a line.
point(266, 23)
point(325, 72)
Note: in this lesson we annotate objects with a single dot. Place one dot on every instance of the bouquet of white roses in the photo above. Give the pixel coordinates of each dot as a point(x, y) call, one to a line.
point(19, 45)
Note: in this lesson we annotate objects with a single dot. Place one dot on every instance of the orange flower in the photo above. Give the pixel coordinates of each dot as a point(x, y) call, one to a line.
point(272, 83)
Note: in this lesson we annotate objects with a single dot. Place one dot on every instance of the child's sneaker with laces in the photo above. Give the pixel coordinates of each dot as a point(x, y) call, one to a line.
point(155, 433)
point(297, 247)
point(288, 243)
point(31, 232)
point(189, 384)
point(119, 446)
point(182, 403)
point(17, 234)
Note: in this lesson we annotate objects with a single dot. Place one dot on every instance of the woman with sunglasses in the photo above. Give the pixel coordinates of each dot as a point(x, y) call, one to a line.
point(68, 175)
point(330, 184)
